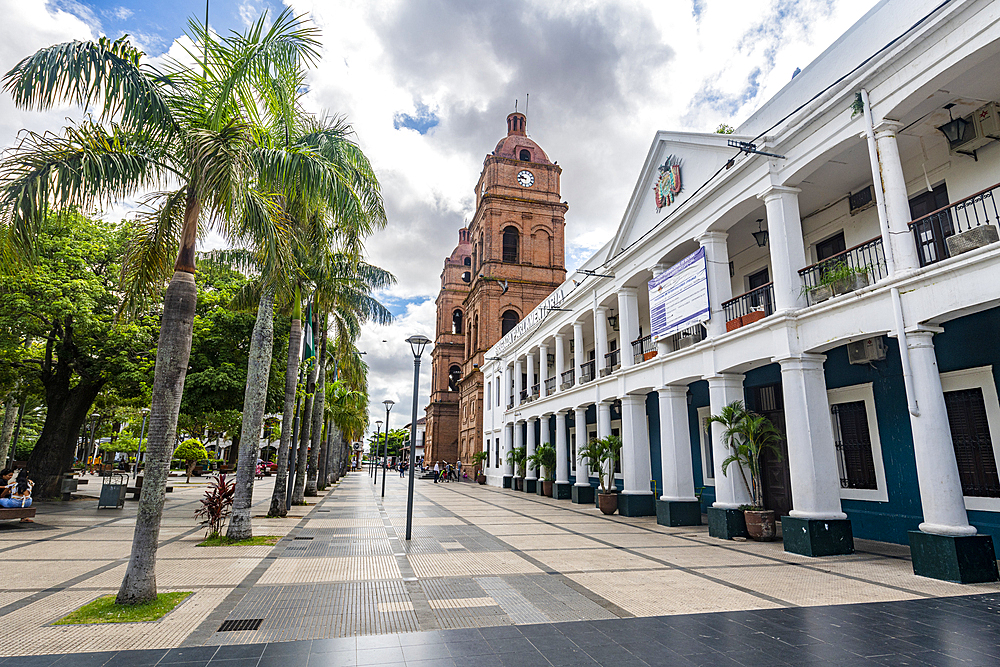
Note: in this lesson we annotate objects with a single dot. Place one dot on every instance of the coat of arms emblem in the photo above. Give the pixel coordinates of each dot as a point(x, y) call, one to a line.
point(668, 185)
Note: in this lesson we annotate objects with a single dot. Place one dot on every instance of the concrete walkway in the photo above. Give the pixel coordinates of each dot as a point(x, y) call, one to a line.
point(481, 559)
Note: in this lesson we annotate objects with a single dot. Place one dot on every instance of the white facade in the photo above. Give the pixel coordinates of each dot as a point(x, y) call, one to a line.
point(911, 58)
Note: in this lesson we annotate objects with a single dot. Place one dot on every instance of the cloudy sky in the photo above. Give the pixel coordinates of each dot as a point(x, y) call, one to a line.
point(427, 85)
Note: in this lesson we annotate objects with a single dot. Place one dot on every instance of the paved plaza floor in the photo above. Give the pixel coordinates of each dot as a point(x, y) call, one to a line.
point(491, 577)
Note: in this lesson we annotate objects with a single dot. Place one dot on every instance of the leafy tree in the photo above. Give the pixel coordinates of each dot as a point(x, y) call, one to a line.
point(66, 304)
point(725, 129)
point(190, 451)
point(544, 458)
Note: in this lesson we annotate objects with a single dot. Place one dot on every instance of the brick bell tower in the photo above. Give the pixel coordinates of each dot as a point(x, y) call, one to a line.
point(518, 259)
point(448, 354)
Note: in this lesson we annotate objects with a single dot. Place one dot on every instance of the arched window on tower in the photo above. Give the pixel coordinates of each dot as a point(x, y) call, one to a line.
point(508, 321)
point(510, 243)
point(456, 322)
point(525, 155)
point(454, 376)
point(467, 261)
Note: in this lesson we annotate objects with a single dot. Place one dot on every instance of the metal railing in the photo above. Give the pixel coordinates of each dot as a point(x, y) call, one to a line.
point(613, 358)
point(688, 337)
point(931, 232)
point(568, 377)
point(587, 372)
point(524, 395)
point(550, 386)
point(510, 402)
point(536, 390)
point(852, 269)
point(643, 349)
point(755, 305)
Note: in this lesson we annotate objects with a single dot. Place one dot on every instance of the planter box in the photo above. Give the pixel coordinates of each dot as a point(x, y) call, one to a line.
point(976, 237)
point(734, 324)
point(646, 356)
point(855, 282)
point(565, 385)
point(685, 341)
point(820, 294)
point(605, 372)
point(755, 316)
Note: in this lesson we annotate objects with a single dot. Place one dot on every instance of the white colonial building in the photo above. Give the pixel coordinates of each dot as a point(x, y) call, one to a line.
point(864, 322)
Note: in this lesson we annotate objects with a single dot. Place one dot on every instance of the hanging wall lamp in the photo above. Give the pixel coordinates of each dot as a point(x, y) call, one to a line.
point(760, 236)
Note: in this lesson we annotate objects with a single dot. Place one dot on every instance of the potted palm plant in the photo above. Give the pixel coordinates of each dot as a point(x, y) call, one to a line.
point(516, 458)
point(747, 435)
point(477, 461)
point(544, 459)
point(602, 455)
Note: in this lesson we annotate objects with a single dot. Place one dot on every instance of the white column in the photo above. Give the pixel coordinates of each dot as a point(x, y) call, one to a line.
point(562, 452)
point(720, 288)
point(897, 204)
point(675, 445)
point(636, 469)
point(582, 464)
point(518, 440)
point(560, 358)
point(508, 433)
point(531, 371)
point(937, 469)
point(518, 374)
point(543, 368)
point(529, 473)
point(507, 380)
point(785, 245)
point(578, 356)
point(600, 338)
point(628, 323)
point(812, 452)
point(730, 490)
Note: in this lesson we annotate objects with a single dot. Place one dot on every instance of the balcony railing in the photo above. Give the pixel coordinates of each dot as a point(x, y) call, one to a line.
point(587, 372)
point(524, 395)
point(536, 390)
point(747, 308)
point(613, 359)
point(852, 269)
point(643, 349)
point(550, 386)
point(568, 377)
point(510, 402)
point(957, 228)
point(687, 337)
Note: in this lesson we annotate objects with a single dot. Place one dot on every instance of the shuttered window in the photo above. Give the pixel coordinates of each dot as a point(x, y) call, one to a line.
point(854, 445)
point(970, 432)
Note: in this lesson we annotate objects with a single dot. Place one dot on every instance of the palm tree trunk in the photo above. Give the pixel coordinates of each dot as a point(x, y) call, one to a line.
point(9, 417)
point(173, 352)
point(324, 458)
point(278, 507)
point(254, 399)
point(317, 417)
point(299, 492)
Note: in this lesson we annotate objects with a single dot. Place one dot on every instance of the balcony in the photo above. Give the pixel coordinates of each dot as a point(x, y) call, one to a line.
point(536, 390)
point(550, 386)
point(510, 403)
point(587, 372)
point(957, 228)
point(850, 270)
point(567, 379)
point(687, 337)
point(612, 362)
point(643, 349)
point(524, 396)
point(748, 308)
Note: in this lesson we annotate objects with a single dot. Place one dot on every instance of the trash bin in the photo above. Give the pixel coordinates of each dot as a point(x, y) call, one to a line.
point(113, 491)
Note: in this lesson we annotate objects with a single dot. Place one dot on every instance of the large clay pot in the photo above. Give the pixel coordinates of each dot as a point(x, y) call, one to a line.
point(547, 488)
point(760, 524)
point(481, 478)
point(607, 502)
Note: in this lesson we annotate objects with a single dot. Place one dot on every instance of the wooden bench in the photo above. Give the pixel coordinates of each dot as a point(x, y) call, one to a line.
point(137, 489)
point(16, 513)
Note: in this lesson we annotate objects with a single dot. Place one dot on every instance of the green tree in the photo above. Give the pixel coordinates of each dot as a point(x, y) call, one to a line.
point(66, 303)
point(747, 435)
point(190, 451)
point(186, 127)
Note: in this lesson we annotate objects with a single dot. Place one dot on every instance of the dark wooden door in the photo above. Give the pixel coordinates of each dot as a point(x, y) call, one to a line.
point(775, 475)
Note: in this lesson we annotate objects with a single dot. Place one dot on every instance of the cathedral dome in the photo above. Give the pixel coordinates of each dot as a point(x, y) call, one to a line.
point(516, 145)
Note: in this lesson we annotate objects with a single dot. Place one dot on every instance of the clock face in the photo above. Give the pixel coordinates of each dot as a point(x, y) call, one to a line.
point(525, 178)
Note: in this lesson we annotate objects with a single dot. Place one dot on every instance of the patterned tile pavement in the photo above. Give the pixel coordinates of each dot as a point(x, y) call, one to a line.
point(497, 577)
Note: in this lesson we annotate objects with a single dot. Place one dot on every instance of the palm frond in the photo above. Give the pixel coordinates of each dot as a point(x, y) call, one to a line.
point(149, 259)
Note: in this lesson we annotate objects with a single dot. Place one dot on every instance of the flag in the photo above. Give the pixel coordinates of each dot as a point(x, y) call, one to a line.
point(309, 344)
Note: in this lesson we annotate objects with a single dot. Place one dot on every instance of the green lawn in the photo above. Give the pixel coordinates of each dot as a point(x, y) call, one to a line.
point(104, 610)
point(255, 541)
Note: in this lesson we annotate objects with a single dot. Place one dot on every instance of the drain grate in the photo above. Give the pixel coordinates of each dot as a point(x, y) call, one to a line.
point(301, 538)
point(240, 624)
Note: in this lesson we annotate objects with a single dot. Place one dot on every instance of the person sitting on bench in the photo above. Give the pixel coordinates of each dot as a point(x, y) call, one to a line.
point(18, 493)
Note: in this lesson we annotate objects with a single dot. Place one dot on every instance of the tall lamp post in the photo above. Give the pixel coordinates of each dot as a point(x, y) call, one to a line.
point(93, 440)
point(371, 457)
point(417, 345)
point(388, 403)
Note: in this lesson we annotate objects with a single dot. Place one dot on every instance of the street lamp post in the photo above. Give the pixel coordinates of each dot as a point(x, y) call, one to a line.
point(142, 432)
point(385, 448)
point(371, 458)
point(93, 439)
point(417, 345)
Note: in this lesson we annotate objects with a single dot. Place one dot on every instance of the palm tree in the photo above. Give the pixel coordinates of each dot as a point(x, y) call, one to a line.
point(185, 125)
point(747, 435)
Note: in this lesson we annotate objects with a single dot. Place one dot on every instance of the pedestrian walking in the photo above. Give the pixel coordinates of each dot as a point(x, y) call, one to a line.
point(437, 471)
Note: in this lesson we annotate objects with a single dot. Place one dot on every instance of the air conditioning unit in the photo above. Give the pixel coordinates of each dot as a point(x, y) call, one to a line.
point(866, 351)
point(987, 121)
